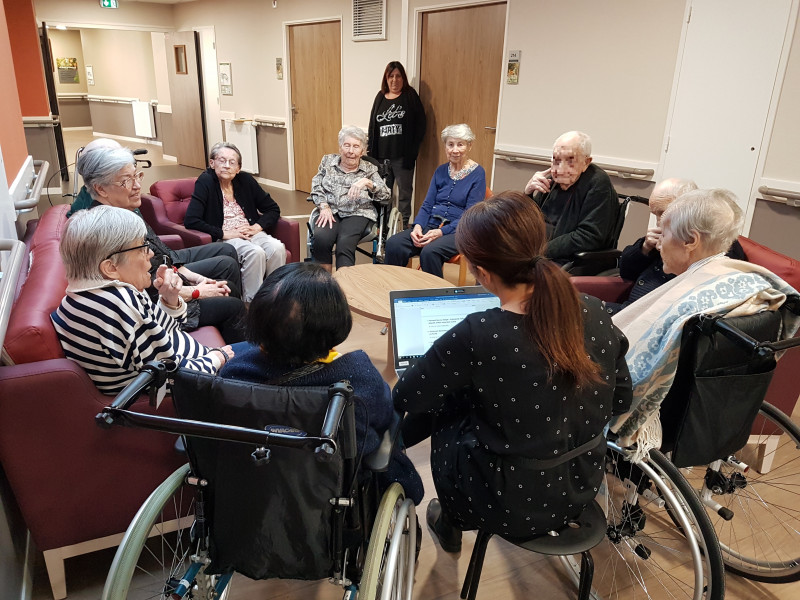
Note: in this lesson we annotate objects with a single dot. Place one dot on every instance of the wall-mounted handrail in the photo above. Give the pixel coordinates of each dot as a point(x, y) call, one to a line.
point(778, 195)
point(111, 99)
point(72, 96)
point(269, 122)
point(49, 121)
point(31, 200)
point(8, 283)
point(544, 160)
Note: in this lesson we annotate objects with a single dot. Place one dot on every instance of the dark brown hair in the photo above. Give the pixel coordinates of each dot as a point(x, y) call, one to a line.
point(506, 235)
point(395, 64)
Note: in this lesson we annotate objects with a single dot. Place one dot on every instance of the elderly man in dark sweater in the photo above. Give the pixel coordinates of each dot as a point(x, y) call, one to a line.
point(641, 261)
point(579, 204)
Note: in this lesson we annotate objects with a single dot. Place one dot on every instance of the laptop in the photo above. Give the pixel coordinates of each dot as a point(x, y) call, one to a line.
point(420, 317)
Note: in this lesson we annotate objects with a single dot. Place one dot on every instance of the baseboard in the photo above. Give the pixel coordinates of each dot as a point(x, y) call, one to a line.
point(169, 157)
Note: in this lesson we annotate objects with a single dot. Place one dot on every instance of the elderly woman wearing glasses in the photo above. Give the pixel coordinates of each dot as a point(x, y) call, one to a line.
point(229, 205)
point(210, 274)
point(107, 323)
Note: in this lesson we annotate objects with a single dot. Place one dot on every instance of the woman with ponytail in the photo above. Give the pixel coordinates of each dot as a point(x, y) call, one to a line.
point(519, 394)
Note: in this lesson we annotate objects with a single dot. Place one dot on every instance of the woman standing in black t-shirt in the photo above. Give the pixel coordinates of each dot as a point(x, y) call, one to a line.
point(396, 129)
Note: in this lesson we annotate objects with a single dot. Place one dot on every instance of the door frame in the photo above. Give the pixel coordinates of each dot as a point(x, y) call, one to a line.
point(758, 173)
point(414, 57)
point(287, 88)
point(207, 43)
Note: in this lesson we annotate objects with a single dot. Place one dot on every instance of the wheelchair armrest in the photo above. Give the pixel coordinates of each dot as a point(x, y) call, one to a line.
point(593, 262)
point(378, 461)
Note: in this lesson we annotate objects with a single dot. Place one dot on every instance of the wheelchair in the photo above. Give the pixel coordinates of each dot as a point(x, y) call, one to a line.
point(275, 487)
point(739, 453)
point(389, 222)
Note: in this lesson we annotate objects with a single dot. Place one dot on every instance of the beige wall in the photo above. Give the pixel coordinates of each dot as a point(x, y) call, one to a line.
point(67, 44)
point(251, 46)
point(783, 157)
point(584, 66)
point(122, 62)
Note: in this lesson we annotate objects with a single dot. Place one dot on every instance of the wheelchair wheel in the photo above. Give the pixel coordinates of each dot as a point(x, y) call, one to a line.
point(389, 564)
point(157, 550)
point(760, 539)
point(643, 554)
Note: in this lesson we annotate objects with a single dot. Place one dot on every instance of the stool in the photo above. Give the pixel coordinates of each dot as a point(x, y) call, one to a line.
point(578, 536)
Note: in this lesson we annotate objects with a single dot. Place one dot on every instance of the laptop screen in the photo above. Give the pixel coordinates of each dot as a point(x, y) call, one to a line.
point(420, 317)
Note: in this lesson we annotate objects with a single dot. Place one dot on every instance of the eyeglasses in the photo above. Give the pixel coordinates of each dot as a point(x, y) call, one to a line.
point(145, 247)
point(231, 162)
point(127, 183)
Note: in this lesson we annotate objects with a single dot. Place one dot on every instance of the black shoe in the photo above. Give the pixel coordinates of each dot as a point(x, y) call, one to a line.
point(449, 537)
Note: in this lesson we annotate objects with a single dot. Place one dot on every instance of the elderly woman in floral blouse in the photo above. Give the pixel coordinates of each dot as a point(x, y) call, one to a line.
point(344, 189)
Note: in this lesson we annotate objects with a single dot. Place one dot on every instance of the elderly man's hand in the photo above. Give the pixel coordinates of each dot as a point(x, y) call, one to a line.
point(540, 182)
point(651, 239)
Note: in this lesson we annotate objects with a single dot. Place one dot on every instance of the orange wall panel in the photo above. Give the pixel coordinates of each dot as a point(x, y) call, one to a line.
point(12, 134)
point(24, 35)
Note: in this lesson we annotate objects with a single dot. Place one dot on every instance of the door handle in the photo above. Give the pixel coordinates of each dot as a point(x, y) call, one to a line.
point(490, 128)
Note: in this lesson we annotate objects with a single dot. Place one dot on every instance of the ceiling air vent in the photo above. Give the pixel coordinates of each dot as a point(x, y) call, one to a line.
point(369, 20)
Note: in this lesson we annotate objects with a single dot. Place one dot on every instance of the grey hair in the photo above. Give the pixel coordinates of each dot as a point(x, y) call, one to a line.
point(353, 132)
point(219, 146)
point(714, 214)
point(458, 132)
point(91, 235)
point(584, 142)
point(100, 165)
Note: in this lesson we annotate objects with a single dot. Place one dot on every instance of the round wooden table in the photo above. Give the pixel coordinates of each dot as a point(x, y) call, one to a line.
point(367, 289)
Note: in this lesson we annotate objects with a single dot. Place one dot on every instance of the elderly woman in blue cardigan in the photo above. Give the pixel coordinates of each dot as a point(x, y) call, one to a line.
point(456, 185)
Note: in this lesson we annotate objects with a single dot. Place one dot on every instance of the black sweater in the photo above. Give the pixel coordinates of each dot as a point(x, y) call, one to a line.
point(413, 127)
point(205, 209)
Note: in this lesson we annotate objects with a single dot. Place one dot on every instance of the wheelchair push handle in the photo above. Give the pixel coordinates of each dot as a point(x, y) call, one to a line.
point(152, 375)
point(743, 340)
point(340, 394)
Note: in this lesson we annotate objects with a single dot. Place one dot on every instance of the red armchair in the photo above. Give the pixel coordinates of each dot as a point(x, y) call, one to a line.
point(77, 486)
point(783, 391)
point(165, 207)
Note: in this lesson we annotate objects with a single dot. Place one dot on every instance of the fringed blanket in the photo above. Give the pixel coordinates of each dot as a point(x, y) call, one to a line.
point(653, 325)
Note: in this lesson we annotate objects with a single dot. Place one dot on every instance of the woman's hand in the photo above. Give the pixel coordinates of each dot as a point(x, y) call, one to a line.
point(232, 234)
point(433, 234)
point(359, 186)
point(251, 230)
point(208, 289)
point(416, 236)
point(325, 218)
point(169, 284)
point(540, 182)
point(226, 352)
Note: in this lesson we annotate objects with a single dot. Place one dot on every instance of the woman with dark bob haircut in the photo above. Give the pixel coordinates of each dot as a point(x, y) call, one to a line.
point(521, 392)
point(295, 320)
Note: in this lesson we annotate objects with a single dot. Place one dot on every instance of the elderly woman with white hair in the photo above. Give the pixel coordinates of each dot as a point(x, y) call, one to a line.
point(697, 230)
point(343, 190)
point(107, 323)
point(455, 186)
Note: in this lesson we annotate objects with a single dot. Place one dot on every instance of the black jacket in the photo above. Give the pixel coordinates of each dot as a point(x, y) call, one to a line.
point(205, 209)
point(413, 123)
point(587, 214)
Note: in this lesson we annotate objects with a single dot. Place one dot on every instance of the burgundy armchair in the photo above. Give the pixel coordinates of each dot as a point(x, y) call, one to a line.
point(782, 392)
point(165, 207)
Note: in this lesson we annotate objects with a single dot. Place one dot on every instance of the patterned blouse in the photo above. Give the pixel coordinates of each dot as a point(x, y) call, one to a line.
point(331, 185)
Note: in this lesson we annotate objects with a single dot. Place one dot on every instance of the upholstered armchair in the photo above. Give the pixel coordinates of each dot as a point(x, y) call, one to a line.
point(165, 207)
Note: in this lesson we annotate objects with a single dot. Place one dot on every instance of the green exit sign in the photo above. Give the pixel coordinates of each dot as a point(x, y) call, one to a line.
point(109, 3)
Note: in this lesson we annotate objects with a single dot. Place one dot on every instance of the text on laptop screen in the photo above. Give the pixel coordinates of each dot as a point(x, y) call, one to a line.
point(421, 321)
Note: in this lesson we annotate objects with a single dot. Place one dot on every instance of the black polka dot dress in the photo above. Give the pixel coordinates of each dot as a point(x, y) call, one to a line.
point(501, 425)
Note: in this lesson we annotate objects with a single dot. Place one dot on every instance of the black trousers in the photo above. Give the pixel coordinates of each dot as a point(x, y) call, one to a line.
point(400, 248)
point(227, 314)
point(404, 178)
point(344, 234)
point(217, 260)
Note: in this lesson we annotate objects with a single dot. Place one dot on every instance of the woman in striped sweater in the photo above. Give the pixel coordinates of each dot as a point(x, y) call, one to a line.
point(107, 323)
